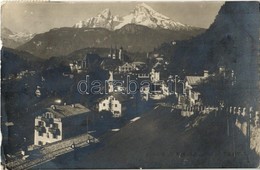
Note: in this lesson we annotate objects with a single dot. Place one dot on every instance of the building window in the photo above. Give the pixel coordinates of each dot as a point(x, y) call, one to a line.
point(104, 104)
point(40, 143)
point(115, 105)
point(40, 134)
point(40, 123)
point(48, 135)
point(55, 136)
point(55, 125)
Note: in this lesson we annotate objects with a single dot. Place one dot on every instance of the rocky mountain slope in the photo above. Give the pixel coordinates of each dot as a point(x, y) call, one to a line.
point(232, 37)
point(231, 41)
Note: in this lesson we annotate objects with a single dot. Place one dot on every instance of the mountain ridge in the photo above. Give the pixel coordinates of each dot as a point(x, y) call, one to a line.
point(142, 14)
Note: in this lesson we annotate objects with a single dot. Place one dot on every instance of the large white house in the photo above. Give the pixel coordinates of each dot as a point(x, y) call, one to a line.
point(59, 122)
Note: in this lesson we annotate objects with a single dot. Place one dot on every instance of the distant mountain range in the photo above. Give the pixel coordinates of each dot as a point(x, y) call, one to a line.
point(141, 31)
point(142, 14)
point(12, 39)
point(132, 37)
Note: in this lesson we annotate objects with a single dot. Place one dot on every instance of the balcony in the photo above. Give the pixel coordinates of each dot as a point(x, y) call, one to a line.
point(40, 129)
point(54, 131)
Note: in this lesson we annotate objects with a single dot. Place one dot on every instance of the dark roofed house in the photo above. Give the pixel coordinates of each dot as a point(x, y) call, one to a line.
point(59, 122)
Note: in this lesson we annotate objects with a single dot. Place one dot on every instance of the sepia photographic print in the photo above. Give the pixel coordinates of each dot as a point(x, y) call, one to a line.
point(130, 84)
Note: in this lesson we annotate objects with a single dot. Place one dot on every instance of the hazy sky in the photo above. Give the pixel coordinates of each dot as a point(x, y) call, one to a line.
point(41, 17)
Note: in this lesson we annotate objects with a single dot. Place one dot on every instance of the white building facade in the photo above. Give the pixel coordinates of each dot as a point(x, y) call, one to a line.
point(59, 122)
point(110, 103)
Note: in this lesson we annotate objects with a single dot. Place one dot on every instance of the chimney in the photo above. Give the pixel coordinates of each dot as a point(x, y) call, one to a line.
point(65, 104)
point(206, 73)
point(73, 105)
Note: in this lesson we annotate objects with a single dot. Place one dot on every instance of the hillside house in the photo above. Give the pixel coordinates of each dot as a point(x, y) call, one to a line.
point(59, 122)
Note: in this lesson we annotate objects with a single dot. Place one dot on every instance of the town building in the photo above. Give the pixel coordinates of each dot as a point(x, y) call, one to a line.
point(116, 103)
point(59, 122)
point(117, 53)
point(155, 75)
point(156, 92)
point(88, 63)
point(126, 68)
point(227, 74)
point(191, 84)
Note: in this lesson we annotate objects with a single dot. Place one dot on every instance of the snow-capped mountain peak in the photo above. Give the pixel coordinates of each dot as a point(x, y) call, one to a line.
point(145, 9)
point(142, 14)
point(104, 20)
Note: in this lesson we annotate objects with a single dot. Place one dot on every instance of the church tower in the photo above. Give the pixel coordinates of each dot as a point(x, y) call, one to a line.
point(120, 54)
point(110, 82)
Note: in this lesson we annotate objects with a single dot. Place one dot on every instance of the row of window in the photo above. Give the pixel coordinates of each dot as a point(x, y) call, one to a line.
point(48, 135)
point(104, 104)
point(41, 123)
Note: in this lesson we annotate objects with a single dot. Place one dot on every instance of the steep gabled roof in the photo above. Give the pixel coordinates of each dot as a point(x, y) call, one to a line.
point(194, 80)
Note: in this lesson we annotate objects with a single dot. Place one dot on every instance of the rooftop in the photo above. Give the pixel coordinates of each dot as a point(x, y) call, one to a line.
point(194, 80)
point(61, 111)
point(118, 96)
